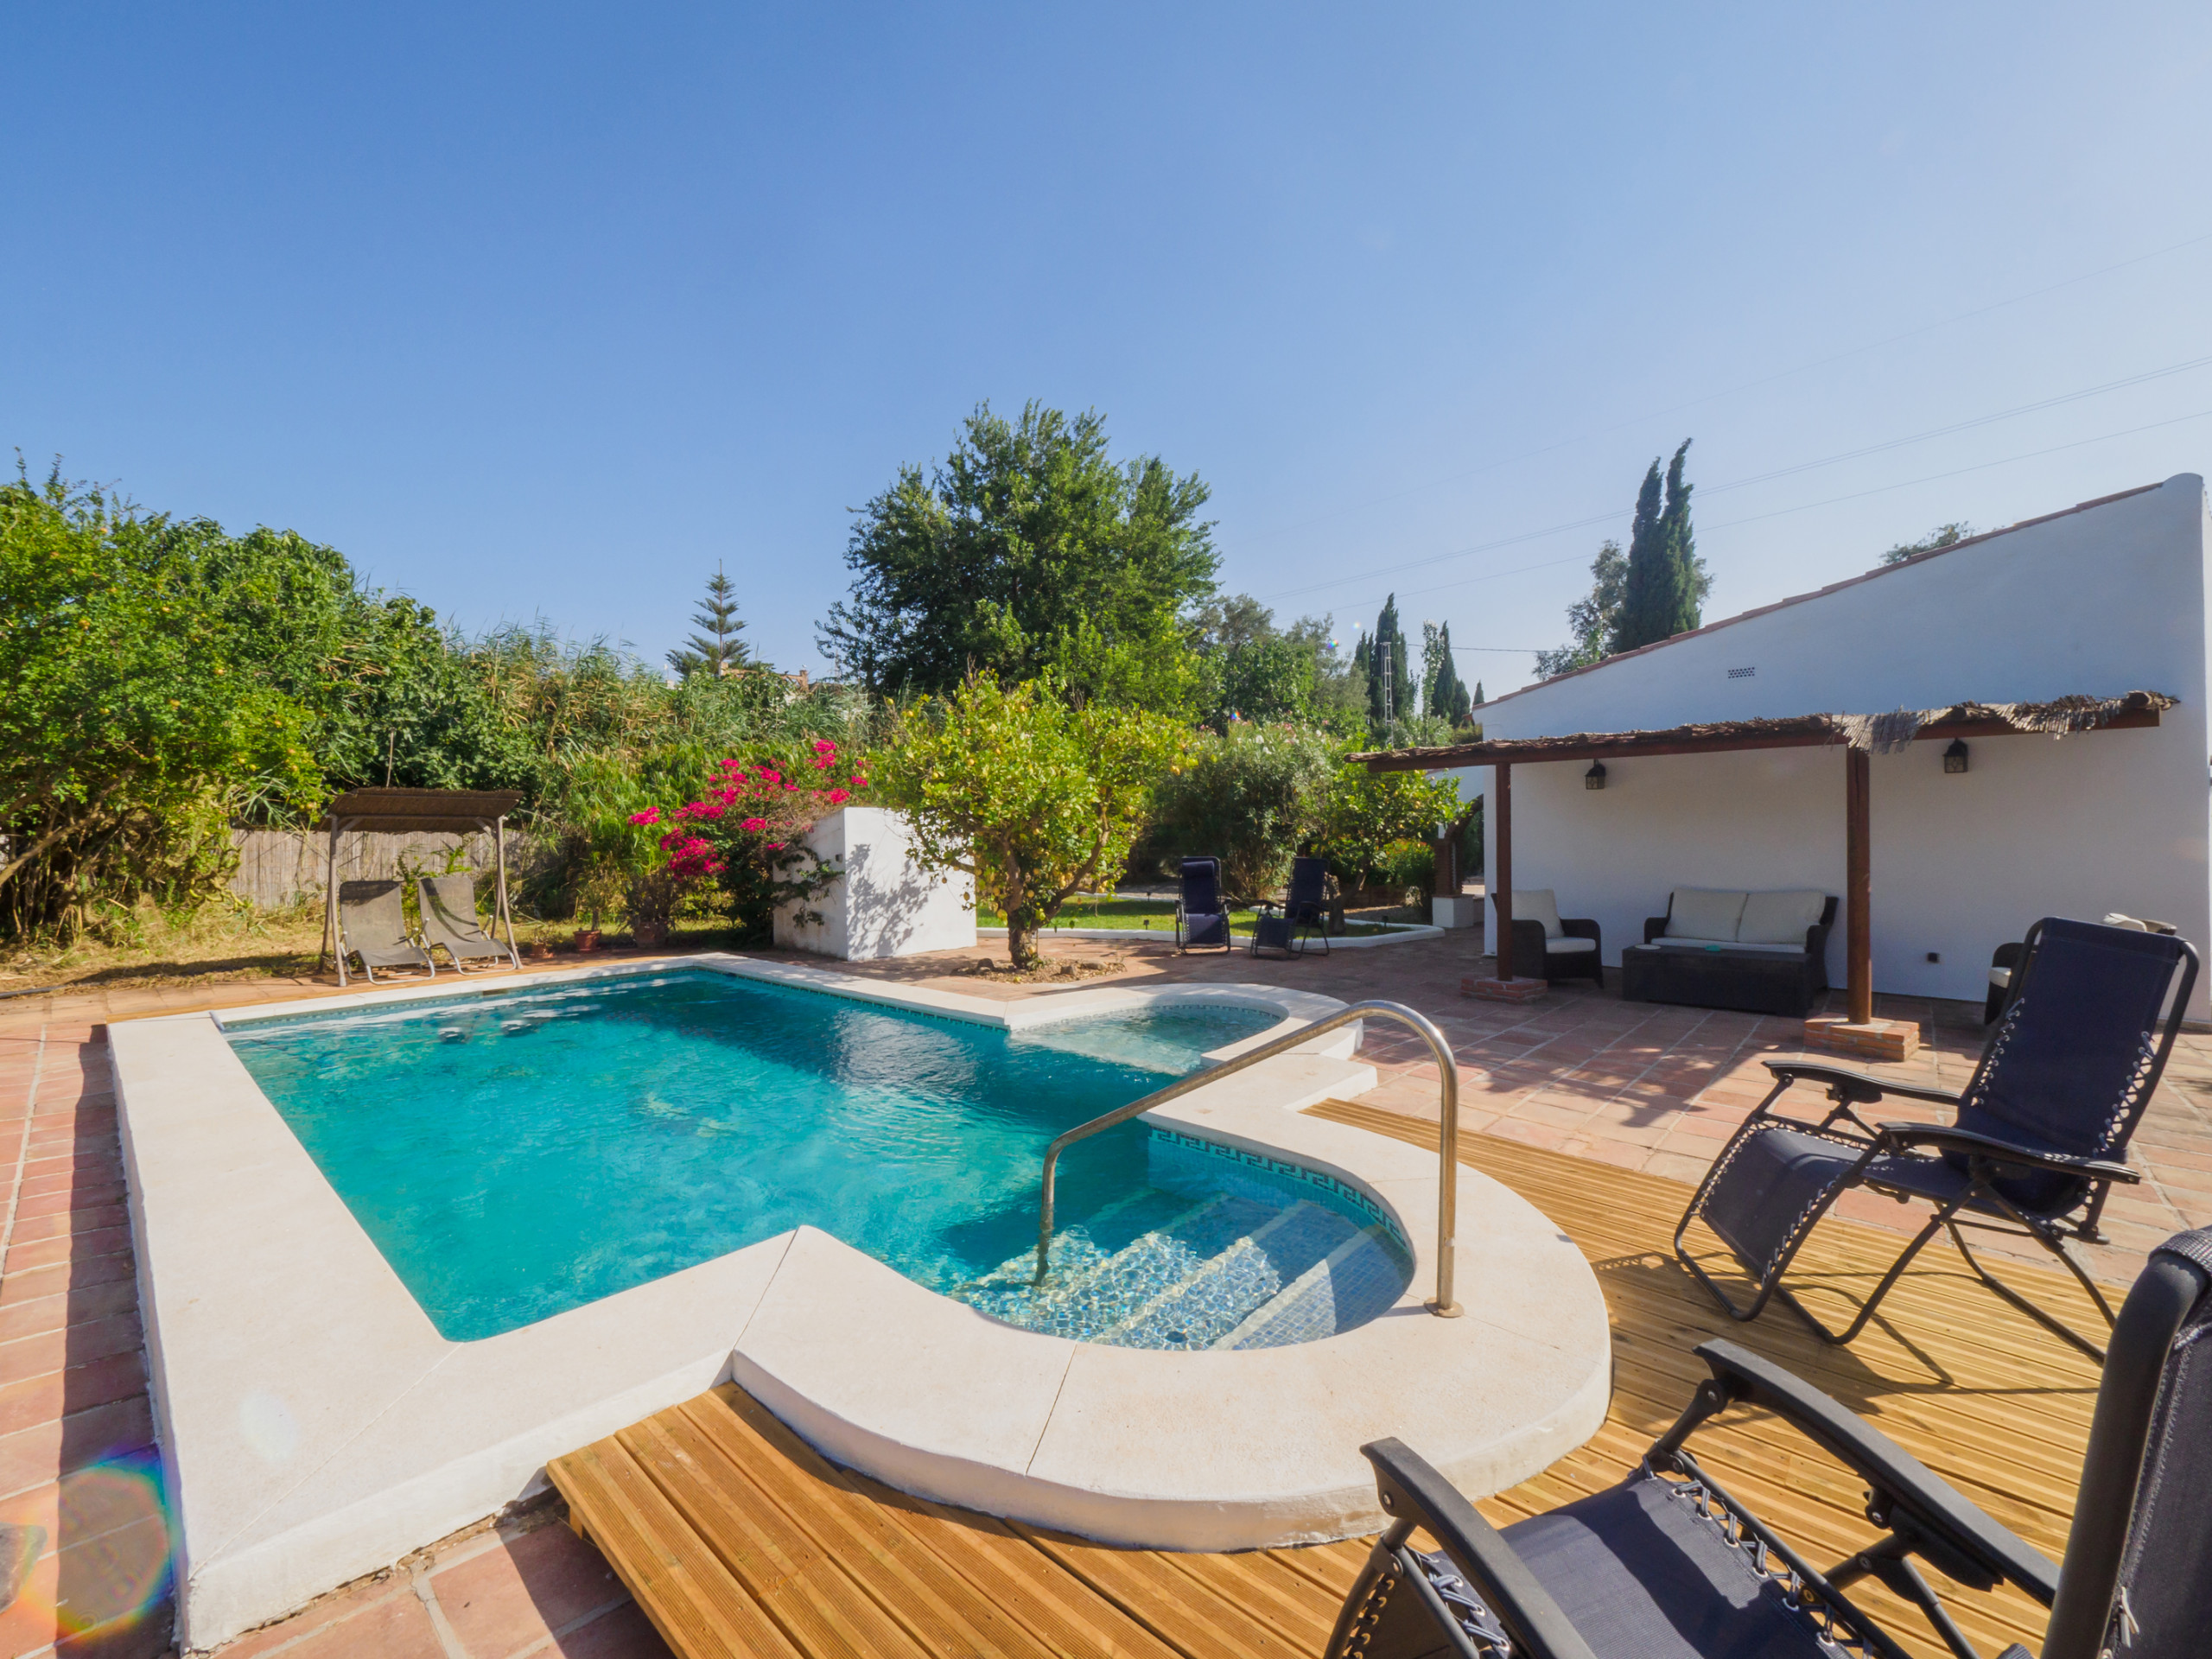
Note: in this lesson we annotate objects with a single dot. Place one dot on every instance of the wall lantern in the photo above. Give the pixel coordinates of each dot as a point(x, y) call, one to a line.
point(1595, 777)
point(1954, 757)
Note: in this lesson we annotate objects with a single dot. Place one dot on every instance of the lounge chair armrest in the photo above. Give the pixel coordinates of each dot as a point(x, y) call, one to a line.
point(1855, 1086)
point(1413, 1491)
point(1941, 1137)
point(1655, 927)
point(1578, 927)
point(1908, 1498)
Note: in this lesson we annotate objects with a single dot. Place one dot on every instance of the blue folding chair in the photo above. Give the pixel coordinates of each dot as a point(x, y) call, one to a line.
point(1301, 919)
point(1669, 1564)
point(1201, 917)
point(2038, 1140)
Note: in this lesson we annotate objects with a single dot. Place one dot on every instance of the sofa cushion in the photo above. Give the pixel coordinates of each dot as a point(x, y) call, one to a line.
point(1780, 918)
point(1563, 946)
point(1537, 905)
point(1702, 913)
point(1728, 944)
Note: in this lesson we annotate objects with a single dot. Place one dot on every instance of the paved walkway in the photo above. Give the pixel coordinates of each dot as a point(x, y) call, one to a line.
point(1631, 1085)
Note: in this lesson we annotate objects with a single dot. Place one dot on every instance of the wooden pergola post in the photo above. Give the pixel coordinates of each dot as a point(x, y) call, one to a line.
point(1502, 894)
point(1858, 885)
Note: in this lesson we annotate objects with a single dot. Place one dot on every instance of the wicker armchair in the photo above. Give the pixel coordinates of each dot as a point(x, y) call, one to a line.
point(1533, 943)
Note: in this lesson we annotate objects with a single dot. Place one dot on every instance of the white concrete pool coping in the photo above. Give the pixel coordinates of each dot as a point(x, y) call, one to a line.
point(315, 1426)
point(1393, 933)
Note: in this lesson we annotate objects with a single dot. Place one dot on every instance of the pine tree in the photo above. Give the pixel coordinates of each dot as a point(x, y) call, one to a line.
point(1478, 693)
point(1432, 665)
point(716, 649)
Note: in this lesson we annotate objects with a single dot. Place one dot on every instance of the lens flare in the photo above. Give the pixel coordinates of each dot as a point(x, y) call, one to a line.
point(108, 1557)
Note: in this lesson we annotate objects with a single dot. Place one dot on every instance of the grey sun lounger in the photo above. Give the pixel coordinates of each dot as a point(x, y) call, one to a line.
point(449, 919)
point(1669, 1565)
point(372, 925)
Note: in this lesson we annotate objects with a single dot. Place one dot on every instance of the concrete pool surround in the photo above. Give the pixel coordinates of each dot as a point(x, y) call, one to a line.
point(314, 1426)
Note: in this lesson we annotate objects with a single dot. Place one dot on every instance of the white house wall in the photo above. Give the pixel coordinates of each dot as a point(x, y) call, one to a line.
point(2105, 600)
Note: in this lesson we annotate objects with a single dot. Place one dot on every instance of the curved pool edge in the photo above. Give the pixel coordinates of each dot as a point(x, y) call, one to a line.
point(314, 1427)
point(1205, 1451)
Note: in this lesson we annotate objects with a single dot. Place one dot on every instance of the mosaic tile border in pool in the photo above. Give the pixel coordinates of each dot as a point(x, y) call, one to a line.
point(1282, 1169)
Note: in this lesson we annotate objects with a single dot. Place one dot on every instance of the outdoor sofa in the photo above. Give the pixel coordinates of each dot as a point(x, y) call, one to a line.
point(1569, 947)
point(1761, 952)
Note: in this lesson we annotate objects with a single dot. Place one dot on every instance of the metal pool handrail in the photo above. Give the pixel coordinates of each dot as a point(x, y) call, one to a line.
point(1447, 1077)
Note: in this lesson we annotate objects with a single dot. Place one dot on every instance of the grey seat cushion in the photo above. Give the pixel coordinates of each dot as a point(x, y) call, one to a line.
point(1566, 945)
point(1642, 1575)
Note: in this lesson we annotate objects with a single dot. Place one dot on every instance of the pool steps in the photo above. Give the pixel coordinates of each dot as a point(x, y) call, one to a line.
point(1227, 1272)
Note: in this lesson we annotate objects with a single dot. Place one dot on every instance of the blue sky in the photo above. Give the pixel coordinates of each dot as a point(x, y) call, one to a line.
point(545, 311)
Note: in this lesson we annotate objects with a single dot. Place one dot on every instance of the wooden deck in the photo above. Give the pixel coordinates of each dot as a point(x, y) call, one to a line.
point(737, 1539)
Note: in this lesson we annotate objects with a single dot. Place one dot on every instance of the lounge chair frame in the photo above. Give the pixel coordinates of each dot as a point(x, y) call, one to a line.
point(1979, 1204)
point(2132, 1521)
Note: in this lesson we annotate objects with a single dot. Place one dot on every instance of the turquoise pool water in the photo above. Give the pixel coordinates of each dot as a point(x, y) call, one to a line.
point(514, 1154)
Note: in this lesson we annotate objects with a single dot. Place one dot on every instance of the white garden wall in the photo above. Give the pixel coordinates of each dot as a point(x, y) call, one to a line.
point(886, 904)
point(2108, 598)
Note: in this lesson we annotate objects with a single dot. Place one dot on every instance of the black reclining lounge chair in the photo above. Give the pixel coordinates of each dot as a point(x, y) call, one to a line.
point(1201, 917)
point(2040, 1136)
point(1668, 1565)
point(1301, 919)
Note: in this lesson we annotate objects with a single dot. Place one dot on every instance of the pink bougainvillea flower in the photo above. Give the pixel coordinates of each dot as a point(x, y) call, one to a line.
point(770, 775)
point(823, 746)
point(859, 782)
point(754, 825)
point(837, 796)
point(775, 846)
point(650, 815)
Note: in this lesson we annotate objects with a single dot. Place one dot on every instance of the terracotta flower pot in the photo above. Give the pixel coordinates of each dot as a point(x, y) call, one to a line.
point(538, 949)
point(587, 938)
point(649, 937)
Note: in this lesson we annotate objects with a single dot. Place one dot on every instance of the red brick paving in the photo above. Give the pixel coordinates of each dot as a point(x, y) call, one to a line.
point(1629, 1085)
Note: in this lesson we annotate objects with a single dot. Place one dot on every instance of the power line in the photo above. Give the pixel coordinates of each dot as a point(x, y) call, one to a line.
point(1855, 495)
point(1762, 477)
point(1747, 385)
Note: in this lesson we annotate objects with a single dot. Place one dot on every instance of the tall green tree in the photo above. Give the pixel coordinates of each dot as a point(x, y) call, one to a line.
point(1663, 591)
point(1395, 663)
point(1591, 620)
point(141, 701)
point(1447, 695)
point(1027, 534)
point(715, 648)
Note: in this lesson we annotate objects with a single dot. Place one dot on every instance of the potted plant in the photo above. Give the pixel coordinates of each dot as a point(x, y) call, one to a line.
point(600, 887)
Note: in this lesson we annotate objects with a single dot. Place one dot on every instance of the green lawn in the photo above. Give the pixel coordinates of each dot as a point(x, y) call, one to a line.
point(1139, 915)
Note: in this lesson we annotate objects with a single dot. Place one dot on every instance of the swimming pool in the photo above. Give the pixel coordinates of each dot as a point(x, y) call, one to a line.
point(315, 1424)
point(518, 1153)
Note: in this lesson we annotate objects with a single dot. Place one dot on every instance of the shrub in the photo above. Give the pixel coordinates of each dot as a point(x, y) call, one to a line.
point(749, 831)
point(1251, 797)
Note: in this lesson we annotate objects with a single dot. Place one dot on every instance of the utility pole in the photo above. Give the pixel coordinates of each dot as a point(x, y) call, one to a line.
point(1390, 712)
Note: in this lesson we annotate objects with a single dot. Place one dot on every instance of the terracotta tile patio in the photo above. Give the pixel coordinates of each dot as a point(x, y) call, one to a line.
point(1630, 1084)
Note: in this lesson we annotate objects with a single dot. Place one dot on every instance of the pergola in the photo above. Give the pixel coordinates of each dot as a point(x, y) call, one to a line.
point(416, 811)
point(1861, 735)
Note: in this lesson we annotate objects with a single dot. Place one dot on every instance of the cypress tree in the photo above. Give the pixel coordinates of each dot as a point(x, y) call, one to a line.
point(1386, 630)
point(1448, 696)
point(1648, 607)
point(1686, 571)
